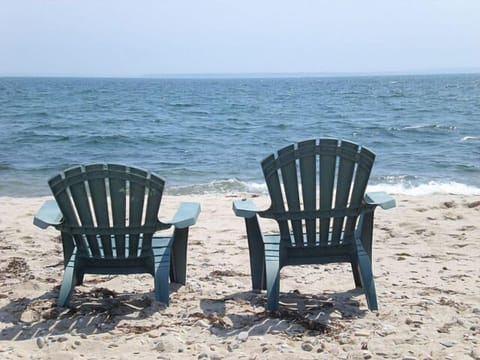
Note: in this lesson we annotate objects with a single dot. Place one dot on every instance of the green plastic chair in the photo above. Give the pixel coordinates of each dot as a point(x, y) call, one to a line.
point(317, 192)
point(108, 218)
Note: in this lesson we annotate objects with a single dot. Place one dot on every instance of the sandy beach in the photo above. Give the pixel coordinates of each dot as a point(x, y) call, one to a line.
point(426, 266)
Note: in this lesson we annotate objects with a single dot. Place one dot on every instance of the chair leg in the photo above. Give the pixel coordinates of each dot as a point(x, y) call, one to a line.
point(68, 282)
point(68, 247)
point(356, 275)
point(256, 253)
point(161, 258)
point(272, 268)
point(79, 277)
point(366, 276)
point(178, 267)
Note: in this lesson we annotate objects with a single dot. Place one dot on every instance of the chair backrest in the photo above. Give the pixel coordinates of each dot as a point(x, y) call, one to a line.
point(316, 189)
point(110, 210)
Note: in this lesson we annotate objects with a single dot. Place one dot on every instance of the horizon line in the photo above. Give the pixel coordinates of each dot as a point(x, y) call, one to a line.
point(246, 75)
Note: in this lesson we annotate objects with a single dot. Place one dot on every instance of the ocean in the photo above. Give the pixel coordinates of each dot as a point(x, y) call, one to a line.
point(210, 134)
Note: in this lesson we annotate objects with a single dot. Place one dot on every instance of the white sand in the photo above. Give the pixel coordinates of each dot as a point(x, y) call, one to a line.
point(426, 263)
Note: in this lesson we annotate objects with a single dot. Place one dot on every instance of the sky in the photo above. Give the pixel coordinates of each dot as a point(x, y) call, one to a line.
point(165, 37)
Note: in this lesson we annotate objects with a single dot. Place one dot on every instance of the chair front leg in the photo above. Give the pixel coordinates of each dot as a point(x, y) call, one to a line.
point(364, 264)
point(256, 253)
point(178, 263)
point(161, 259)
point(272, 267)
point(69, 280)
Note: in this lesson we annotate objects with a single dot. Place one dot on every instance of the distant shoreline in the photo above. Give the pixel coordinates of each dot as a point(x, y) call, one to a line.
point(260, 75)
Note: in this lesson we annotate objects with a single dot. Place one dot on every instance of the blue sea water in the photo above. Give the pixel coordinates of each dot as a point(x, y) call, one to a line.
point(209, 135)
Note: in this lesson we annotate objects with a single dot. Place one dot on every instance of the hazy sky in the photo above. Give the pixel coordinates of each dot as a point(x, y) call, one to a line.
point(137, 37)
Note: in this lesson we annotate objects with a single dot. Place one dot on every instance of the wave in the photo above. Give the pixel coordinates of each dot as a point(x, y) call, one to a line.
point(424, 127)
point(432, 187)
point(471, 138)
point(235, 185)
point(219, 186)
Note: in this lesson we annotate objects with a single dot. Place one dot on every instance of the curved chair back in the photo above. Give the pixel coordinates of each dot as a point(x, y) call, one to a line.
point(109, 210)
point(316, 189)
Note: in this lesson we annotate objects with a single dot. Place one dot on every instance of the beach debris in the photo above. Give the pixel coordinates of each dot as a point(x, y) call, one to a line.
point(449, 204)
point(17, 267)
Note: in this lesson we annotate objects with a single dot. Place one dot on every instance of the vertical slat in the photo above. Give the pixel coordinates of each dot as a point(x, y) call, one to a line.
point(118, 189)
point(274, 189)
point(98, 193)
point(308, 173)
point(327, 179)
point(344, 182)
point(290, 183)
point(59, 190)
point(154, 198)
point(80, 197)
point(137, 198)
point(362, 174)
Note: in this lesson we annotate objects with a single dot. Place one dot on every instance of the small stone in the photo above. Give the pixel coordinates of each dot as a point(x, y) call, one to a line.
point(40, 342)
point(203, 356)
point(447, 343)
point(367, 355)
point(475, 354)
point(409, 358)
point(83, 336)
point(243, 336)
point(62, 339)
point(77, 342)
point(160, 346)
point(29, 316)
point(232, 347)
point(306, 346)
point(362, 333)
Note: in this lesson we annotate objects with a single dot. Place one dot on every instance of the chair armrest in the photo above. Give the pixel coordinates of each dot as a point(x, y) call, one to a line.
point(186, 215)
point(244, 208)
point(381, 199)
point(48, 215)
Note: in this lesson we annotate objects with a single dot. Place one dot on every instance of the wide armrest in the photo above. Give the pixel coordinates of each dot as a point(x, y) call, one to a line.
point(186, 215)
point(48, 215)
point(244, 208)
point(381, 199)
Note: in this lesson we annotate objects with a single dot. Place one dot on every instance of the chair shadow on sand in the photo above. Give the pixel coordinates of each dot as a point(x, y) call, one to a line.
point(298, 313)
point(98, 310)
point(95, 311)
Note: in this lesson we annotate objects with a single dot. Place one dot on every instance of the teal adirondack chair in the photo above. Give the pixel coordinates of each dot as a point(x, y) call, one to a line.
point(108, 218)
point(317, 192)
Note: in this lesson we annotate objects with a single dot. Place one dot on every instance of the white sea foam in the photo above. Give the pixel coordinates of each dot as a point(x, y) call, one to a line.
point(471, 138)
point(235, 185)
point(431, 187)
